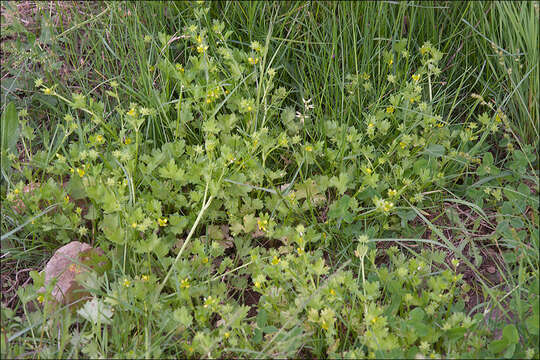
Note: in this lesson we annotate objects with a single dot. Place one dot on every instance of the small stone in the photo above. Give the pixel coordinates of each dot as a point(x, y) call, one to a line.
point(66, 264)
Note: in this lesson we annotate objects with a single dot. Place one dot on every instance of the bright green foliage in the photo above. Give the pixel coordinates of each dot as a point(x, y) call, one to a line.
point(241, 223)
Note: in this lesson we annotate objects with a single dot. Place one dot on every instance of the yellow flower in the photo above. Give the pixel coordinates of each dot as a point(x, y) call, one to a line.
point(370, 125)
point(66, 198)
point(416, 77)
point(368, 171)
point(249, 108)
point(127, 141)
point(390, 110)
point(208, 301)
point(226, 335)
point(162, 222)
point(390, 62)
point(16, 191)
point(388, 206)
point(205, 260)
point(202, 48)
point(374, 320)
point(81, 172)
point(332, 292)
point(145, 278)
point(253, 61)
point(262, 224)
point(184, 284)
point(179, 68)
point(275, 260)
point(99, 138)
point(392, 193)
point(402, 144)
point(324, 325)
point(134, 225)
point(126, 283)
point(47, 91)
point(40, 298)
point(257, 284)
point(309, 148)
point(132, 112)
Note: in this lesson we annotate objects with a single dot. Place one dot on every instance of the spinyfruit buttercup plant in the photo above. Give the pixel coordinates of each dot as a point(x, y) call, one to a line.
point(217, 231)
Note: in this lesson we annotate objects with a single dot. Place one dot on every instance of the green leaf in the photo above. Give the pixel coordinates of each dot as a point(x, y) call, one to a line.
point(262, 318)
point(339, 210)
point(456, 333)
point(340, 183)
point(435, 150)
point(183, 316)
point(511, 334)
point(171, 171)
point(177, 223)
point(111, 228)
point(417, 314)
point(75, 188)
point(250, 223)
point(406, 216)
point(532, 324)
point(92, 213)
point(96, 311)
point(498, 346)
point(9, 131)
point(510, 351)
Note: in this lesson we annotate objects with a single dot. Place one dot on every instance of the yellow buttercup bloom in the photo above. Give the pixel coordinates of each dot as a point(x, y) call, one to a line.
point(184, 284)
point(162, 222)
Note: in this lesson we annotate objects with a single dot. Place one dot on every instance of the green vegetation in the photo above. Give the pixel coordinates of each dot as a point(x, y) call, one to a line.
point(325, 179)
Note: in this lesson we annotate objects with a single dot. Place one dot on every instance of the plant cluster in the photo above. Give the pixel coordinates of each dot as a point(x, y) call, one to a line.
point(216, 234)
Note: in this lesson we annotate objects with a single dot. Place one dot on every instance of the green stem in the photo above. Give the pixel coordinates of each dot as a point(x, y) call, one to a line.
point(206, 204)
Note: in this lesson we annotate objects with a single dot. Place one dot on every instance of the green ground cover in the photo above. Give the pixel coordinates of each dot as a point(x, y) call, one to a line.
point(272, 179)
